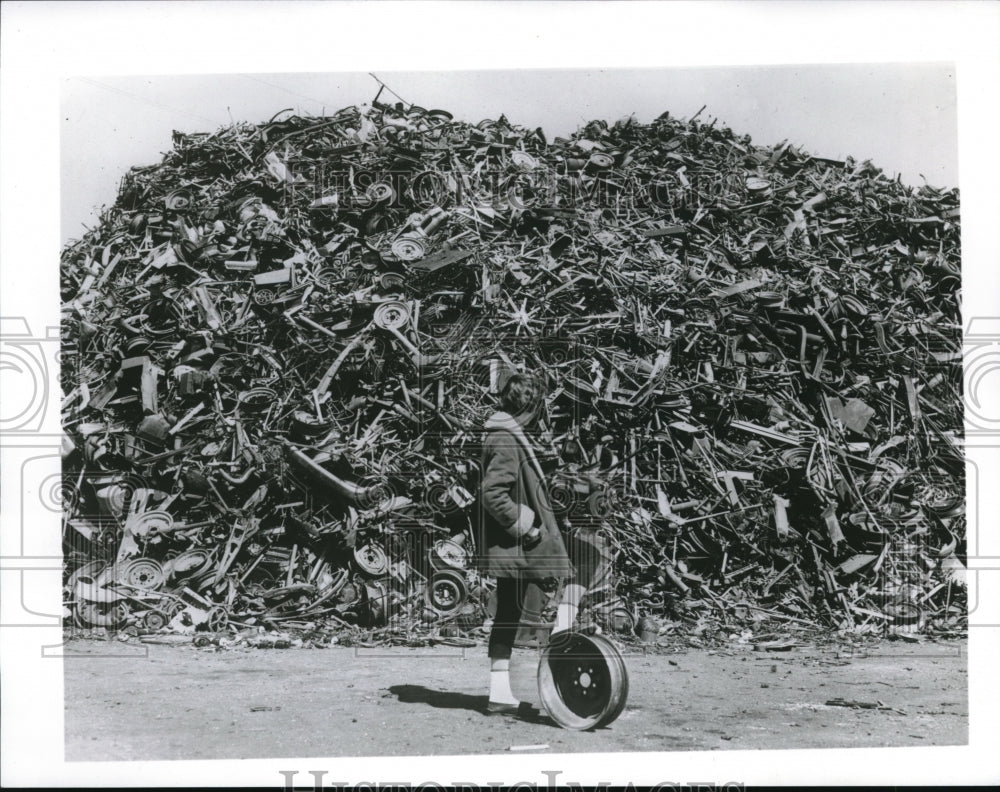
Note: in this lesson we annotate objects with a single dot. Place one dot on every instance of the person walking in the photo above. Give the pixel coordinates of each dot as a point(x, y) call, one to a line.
point(518, 536)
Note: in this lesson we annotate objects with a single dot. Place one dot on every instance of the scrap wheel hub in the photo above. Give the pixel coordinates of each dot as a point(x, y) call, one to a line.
point(391, 315)
point(154, 620)
point(143, 573)
point(582, 682)
point(446, 592)
point(371, 559)
point(583, 688)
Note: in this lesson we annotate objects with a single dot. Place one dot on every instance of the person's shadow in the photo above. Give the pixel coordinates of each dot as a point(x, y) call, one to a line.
point(446, 699)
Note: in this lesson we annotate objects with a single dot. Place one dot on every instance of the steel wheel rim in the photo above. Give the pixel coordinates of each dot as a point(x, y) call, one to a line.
point(446, 592)
point(371, 559)
point(391, 315)
point(143, 573)
point(582, 683)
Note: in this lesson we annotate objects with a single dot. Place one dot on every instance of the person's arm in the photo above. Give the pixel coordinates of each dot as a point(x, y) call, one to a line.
point(499, 479)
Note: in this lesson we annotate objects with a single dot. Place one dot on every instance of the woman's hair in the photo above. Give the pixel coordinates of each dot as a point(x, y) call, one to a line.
point(522, 393)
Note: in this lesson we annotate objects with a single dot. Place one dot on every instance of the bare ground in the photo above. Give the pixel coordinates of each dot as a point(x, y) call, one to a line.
point(156, 702)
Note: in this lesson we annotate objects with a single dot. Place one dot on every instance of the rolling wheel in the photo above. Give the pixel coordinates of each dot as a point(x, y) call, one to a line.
point(582, 681)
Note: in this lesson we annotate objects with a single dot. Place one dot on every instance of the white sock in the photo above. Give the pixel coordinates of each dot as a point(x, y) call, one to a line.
point(568, 607)
point(565, 616)
point(500, 691)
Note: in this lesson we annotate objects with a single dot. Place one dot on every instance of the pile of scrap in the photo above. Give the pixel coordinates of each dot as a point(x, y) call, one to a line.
point(280, 343)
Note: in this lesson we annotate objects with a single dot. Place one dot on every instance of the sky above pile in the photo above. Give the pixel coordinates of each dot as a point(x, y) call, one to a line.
point(900, 116)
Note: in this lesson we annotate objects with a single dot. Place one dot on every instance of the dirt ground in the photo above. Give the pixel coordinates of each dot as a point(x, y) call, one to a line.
point(156, 702)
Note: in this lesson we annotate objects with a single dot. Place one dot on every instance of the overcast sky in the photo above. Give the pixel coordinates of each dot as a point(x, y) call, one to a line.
point(901, 116)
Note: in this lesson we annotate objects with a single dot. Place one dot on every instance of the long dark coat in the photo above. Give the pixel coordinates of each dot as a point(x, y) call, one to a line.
point(509, 481)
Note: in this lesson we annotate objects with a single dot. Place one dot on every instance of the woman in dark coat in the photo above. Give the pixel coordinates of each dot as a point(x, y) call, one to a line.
point(519, 537)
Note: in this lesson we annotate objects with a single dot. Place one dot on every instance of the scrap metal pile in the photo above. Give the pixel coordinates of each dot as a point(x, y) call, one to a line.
point(280, 343)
